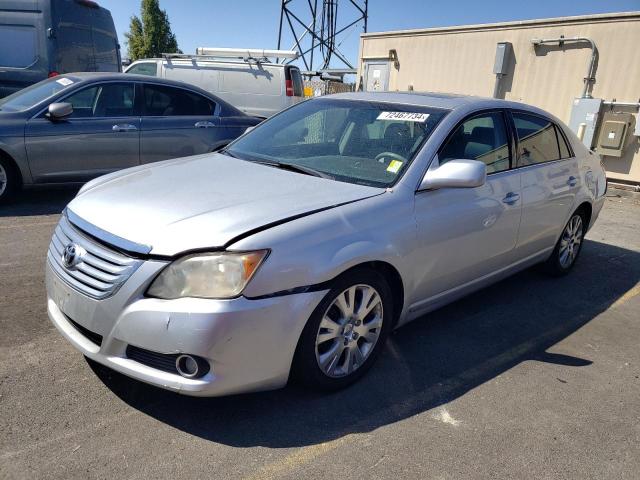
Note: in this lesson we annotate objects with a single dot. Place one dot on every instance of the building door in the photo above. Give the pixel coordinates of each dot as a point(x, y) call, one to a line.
point(376, 76)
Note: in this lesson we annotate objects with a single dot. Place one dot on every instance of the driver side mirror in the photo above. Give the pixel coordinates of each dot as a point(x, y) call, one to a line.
point(60, 110)
point(455, 174)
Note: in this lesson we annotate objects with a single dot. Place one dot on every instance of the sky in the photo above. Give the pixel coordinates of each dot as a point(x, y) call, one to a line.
point(254, 23)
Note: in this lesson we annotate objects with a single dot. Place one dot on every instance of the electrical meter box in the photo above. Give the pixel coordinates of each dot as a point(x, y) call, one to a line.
point(504, 55)
point(584, 118)
point(613, 134)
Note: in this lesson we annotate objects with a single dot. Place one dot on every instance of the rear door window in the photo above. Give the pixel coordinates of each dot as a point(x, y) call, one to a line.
point(163, 101)
point(537, 138)
point(99, 101)
point(23, 39)
point(482, 137)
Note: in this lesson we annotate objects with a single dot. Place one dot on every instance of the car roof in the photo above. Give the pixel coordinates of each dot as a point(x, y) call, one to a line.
point(449, 101)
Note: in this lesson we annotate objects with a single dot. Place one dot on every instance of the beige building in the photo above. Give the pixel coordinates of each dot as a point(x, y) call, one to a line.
point(551, 74)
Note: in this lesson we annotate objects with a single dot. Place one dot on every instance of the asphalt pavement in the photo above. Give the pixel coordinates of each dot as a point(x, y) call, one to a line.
point(533, 377)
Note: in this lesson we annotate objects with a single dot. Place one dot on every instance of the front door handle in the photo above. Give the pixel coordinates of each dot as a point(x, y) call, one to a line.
point(124, 127)
point(572, 181)
point(205, 124)
point(511, 198)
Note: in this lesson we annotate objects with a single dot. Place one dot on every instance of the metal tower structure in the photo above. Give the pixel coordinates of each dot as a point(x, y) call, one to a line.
point(316, 32)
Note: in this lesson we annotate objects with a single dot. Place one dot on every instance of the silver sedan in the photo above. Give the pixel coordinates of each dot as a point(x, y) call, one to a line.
point(295, 251)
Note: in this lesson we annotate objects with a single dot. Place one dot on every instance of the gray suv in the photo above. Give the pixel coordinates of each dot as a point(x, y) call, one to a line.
point(75, 127)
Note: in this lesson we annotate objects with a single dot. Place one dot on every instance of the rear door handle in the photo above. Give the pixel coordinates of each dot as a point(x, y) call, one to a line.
point(511, 198)
point(204, 124)
point(572, 181)
point(124, 127)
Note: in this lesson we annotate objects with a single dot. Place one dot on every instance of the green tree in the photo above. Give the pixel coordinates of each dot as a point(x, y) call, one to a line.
point(151, 36)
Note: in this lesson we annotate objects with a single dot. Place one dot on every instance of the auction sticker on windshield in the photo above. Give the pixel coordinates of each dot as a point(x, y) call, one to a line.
point(64, 81)
point(404, 116)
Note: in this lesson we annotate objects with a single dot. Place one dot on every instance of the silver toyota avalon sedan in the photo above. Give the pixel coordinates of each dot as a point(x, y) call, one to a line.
point(294, 252)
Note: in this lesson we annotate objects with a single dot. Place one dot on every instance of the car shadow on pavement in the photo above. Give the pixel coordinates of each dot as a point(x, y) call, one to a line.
point(426, 364)
point(41, 201)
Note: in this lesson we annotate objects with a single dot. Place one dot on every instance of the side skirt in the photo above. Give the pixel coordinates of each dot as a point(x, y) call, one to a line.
point(430, 304)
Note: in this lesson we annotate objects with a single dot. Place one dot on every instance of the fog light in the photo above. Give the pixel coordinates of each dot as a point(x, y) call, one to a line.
point(191, 367)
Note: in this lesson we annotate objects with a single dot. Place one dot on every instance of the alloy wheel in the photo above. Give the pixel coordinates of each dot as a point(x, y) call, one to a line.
point(349, 330)
point(570, 241)
point(3, 179)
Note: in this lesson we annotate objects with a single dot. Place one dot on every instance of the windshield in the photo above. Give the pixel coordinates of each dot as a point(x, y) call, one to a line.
point(34, 94)
point(368, 143)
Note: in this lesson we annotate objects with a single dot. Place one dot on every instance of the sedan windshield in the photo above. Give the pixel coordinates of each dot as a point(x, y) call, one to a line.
point(28, 97)
point(368, 143)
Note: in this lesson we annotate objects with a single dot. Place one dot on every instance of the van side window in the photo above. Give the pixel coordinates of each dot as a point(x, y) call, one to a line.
point(161, 101)
point(483, 138)
point(146, 68)
point(538, 142)
point(108, 100)
point(24, 38)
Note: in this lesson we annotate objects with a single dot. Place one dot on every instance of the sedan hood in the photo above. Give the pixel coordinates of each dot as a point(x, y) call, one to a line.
point(201, 202)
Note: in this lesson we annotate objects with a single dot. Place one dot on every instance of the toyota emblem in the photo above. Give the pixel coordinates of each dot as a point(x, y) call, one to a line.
point(72, 255)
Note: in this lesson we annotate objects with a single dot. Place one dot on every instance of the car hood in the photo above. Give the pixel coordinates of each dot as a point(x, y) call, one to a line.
point(201, 202)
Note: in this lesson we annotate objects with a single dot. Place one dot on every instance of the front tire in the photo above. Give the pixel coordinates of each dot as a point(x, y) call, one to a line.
point(565, 254)
point(346, 331)
point(9, 180)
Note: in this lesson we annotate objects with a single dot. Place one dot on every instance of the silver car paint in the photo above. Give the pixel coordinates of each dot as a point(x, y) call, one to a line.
point(442, 243)
point(232, 197)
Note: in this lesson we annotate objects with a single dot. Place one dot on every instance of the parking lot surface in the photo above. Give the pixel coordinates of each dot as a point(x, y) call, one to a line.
point(533, 377)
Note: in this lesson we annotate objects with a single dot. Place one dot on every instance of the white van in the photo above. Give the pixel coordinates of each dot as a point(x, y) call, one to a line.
point(250, 83)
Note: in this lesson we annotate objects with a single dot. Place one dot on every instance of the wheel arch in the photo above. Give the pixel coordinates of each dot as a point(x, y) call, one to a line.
point(587, 209)
point(5, 155)
point(391, 275)
point(15, 175)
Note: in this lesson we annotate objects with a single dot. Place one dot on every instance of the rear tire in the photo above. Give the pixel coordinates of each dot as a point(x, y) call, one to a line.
point(566, 252)
point(346, 331)
point(9, 180)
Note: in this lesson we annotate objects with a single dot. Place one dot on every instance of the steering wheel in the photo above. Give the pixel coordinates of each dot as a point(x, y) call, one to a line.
point(390, 154)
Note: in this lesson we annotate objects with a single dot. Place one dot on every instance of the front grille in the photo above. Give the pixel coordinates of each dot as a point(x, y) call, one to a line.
point(101, 270)
point(92, 336)
point(161, 361)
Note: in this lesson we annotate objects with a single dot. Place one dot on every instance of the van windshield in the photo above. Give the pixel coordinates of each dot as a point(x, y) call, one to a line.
point(368, 143)
point(28, 97)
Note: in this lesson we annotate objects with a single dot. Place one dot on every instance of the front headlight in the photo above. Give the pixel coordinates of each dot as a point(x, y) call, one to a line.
point(208, 275)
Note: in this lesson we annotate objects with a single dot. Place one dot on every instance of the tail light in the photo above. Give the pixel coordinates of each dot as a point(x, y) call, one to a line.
point(53, 74)
point(289, 87)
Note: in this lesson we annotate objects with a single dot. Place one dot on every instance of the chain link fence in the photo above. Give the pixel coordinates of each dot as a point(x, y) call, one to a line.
point(317, 88)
